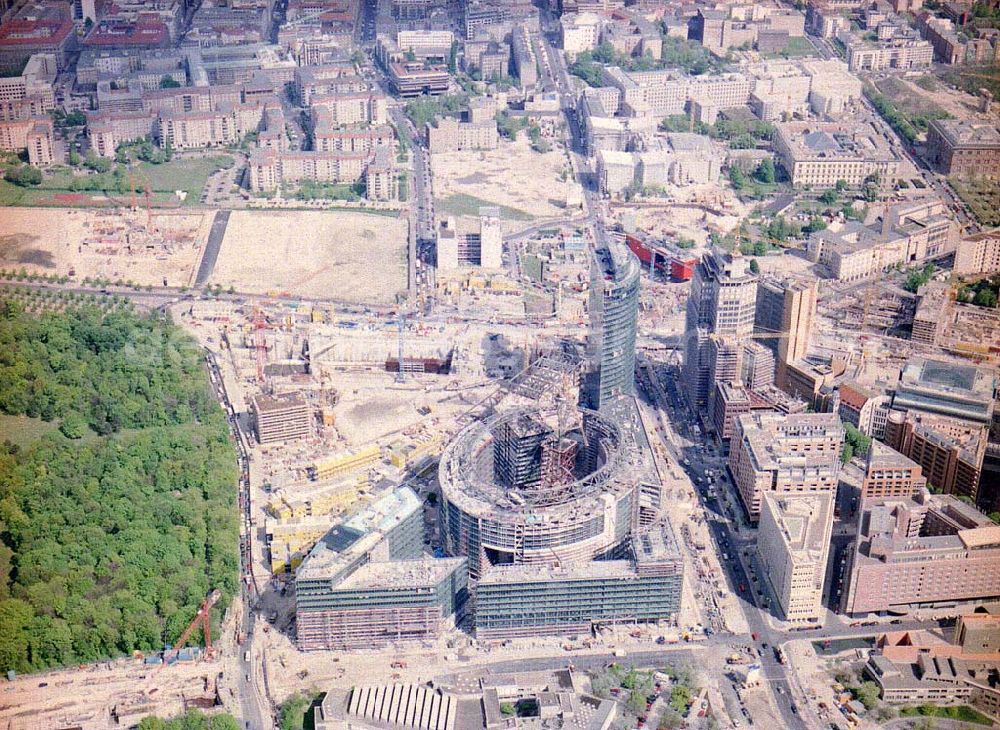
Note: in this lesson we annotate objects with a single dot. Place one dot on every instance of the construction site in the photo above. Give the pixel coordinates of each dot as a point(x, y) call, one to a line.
point(142, 246)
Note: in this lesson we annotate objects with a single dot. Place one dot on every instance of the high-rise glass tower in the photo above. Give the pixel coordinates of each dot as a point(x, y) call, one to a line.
point(614, 313)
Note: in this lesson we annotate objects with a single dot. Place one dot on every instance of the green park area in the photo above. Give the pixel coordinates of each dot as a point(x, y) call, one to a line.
point(117, 481)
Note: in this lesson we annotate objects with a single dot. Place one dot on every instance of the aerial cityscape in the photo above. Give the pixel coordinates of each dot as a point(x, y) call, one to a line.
point(503, 364)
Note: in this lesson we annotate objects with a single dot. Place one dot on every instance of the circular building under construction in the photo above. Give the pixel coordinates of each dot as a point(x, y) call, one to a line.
point(537, 485)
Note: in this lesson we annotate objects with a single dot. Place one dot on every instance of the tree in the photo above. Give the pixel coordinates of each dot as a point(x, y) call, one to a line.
point(670, 720)
point(680, 697)
point(23, 176)
point(815, 224)
point(847, 453)
point(754, 266)
point(986, 298)
point(97, 164)
point(871, 187)
point(829, 197)
point(453, 57)
point(73, 158)
point(507, 708)
point(737, 178)
point(868, 694)
point(73, 426)
point(169, 82)
point(765, 171)
point(995, 516)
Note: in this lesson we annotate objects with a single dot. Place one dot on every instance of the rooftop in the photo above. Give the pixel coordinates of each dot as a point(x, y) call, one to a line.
point(419, 573)
point(970, 133)
point(804, 520)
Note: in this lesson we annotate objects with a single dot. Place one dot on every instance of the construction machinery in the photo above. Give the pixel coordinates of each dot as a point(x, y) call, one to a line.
point(204, 620)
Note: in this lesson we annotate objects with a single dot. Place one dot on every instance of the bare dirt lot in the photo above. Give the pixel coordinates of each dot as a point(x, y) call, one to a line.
point(108, 244)
point(524, 183)
point(354, 257)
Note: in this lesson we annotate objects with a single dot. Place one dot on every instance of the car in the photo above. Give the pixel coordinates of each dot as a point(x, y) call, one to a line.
point(794, 709)
point(896, 621)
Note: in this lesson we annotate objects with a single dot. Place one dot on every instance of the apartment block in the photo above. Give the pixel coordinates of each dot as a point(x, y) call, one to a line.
point(33, 134)
point(978, 254)
point(107, 130)
point(793, 542)
point(920, 551)
point(949, 451)
point(331, 80)
point(525, 59)
point(362, 107)
point(889, 55)
point(784, 454)
point(280, 419)
point(818, 154)
point(963, 147)
point(447, 134)
point(579, 32)
point(890, 474)
point(30, 93)
point(331, 137)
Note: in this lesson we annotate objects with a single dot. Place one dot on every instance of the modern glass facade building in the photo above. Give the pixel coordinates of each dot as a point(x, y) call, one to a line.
point(524, 600)
point(614, 312)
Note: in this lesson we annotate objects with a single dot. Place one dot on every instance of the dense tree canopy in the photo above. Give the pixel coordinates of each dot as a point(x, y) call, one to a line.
point(110, 543)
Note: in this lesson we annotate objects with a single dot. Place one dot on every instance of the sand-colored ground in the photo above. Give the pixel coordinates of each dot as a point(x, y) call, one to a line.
point(512, 176)
point(339, 255)
point(109, 244)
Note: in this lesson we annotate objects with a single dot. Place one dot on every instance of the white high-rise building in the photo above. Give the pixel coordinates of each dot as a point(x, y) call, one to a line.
point(490, 238)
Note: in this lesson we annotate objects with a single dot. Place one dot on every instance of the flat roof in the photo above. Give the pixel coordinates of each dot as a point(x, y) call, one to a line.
point(419, 573)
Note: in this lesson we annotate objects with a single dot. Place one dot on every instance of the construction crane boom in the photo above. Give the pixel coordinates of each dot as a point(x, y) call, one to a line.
point(203, 619)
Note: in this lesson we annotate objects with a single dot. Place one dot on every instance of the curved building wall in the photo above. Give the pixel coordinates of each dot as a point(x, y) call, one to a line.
point(589, 518)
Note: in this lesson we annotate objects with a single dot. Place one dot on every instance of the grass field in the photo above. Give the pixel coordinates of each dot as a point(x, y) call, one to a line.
point(983, 197)
point(962, 713)
point(796, 48)
point(187, 174)
point(21, 430)
point(460, 204)
point(916, 106)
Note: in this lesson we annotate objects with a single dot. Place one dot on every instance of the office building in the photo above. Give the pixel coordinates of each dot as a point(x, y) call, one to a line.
point(566, 600)
point(906, 234)
point(963, 147)
point(890, 474)
point(280, 419)
point(917, 667)
point(978, 254)
point(818, 154)
point(784, 314)
point(456, 249)
point(613, 307)
point(793, 543)
point(757, 369)
point(366, 582)
point(963, 392)
point(921, 550)
point(784, 454)
point(719, 321)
